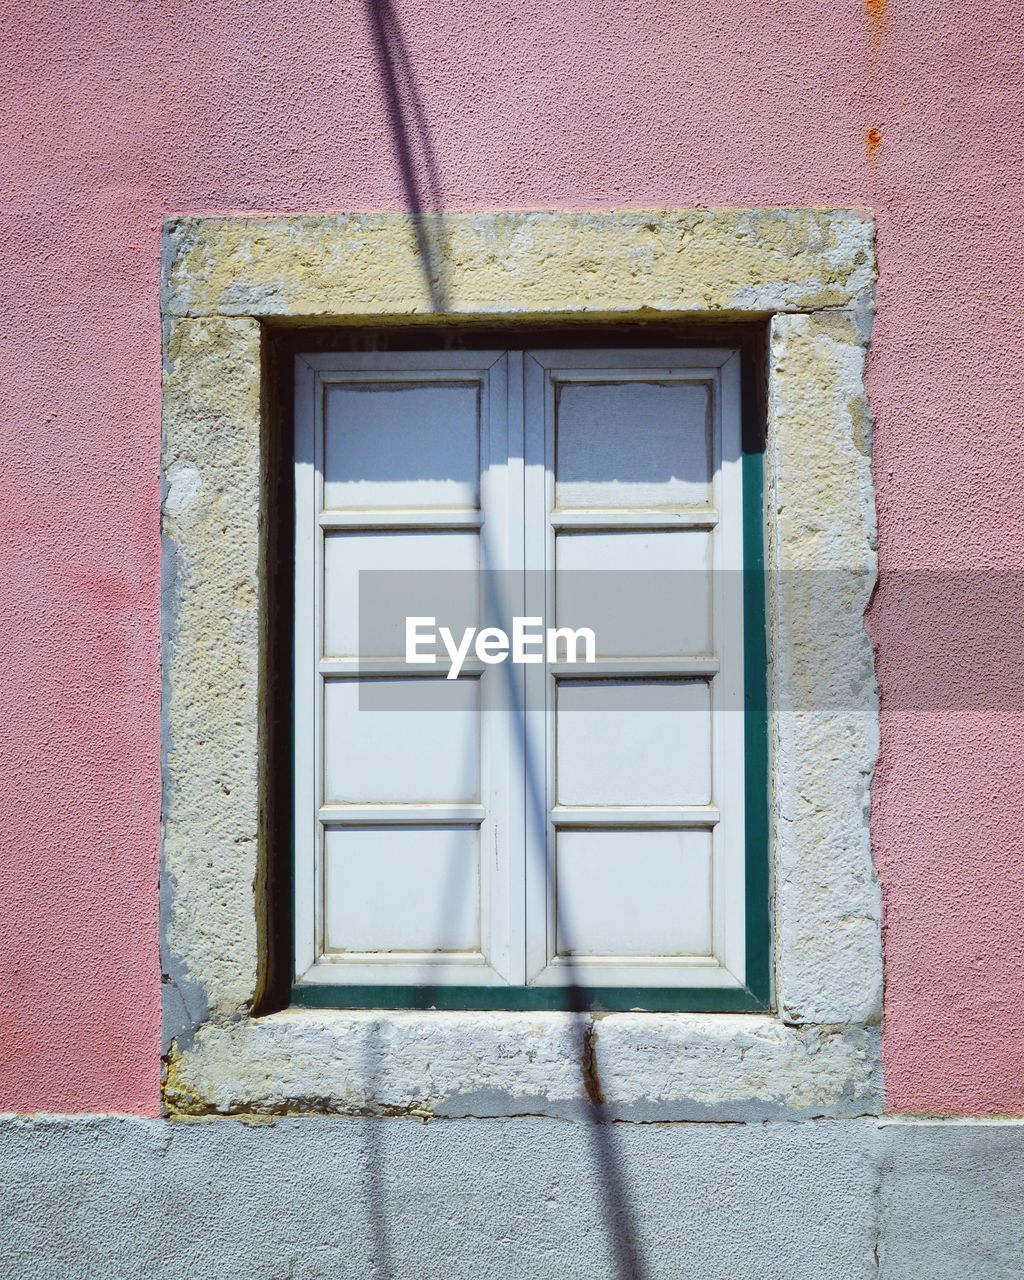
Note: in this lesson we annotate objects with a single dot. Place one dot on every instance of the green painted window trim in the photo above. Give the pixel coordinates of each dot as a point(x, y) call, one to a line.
point(755, 997)
point(322, 995)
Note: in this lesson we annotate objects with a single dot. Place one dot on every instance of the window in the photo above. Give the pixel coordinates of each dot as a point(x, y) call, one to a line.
point(241, 297)
point(525, 830)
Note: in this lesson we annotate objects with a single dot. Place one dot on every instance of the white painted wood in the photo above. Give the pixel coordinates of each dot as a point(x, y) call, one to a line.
point(398, 780)
point(401, 741)
point(634, 893)
point(362, 815)
point(438, 580)
point(402, 518)
point(632, 444)
point(503, 543)
point(608, 570)
point(727, 687)
point(635, 667)
point(639, 743)
point(642, 815)
point(587, 826)
point(306, 684)
point(401, 443)
point(402, 889)
point(645, 592)
point(635, 518)
point(399, 667)
point(538, 502)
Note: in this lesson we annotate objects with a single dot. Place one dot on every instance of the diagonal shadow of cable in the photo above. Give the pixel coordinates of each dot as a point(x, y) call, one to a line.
point(410, 136)
point(411, 139)
point(620, 1217)
point(374, 1184)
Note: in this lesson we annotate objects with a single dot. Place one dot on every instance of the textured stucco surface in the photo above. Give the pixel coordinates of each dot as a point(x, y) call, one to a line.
point(821, 536)
point(312, 1198)
point(116, 115)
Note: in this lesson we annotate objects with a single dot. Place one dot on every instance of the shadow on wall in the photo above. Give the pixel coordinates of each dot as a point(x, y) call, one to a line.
point(414, 153)
point(413, 148)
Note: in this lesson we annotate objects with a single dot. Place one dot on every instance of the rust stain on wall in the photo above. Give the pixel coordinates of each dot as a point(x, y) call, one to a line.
point(875, 14)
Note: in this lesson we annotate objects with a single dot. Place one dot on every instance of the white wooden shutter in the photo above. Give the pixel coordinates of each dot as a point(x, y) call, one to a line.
point(588, 828)
point(408, 833)
point(634, 514)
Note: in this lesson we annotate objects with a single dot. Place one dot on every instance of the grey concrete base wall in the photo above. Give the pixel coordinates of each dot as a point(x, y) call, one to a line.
point(394, 1198)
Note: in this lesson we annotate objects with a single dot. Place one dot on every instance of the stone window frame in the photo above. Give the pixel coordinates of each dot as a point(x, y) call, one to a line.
point(811, 274)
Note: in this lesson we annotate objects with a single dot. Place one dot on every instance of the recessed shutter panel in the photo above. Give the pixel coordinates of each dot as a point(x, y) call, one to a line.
point(571, 822)
point(634, 529)
point(403, 786)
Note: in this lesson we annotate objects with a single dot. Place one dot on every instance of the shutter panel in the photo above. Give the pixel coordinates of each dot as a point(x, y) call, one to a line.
point(634, 513)
point(563, 823)
point(403, 786)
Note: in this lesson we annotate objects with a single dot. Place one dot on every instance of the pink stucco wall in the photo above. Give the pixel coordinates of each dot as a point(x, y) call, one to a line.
point(113, 114)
